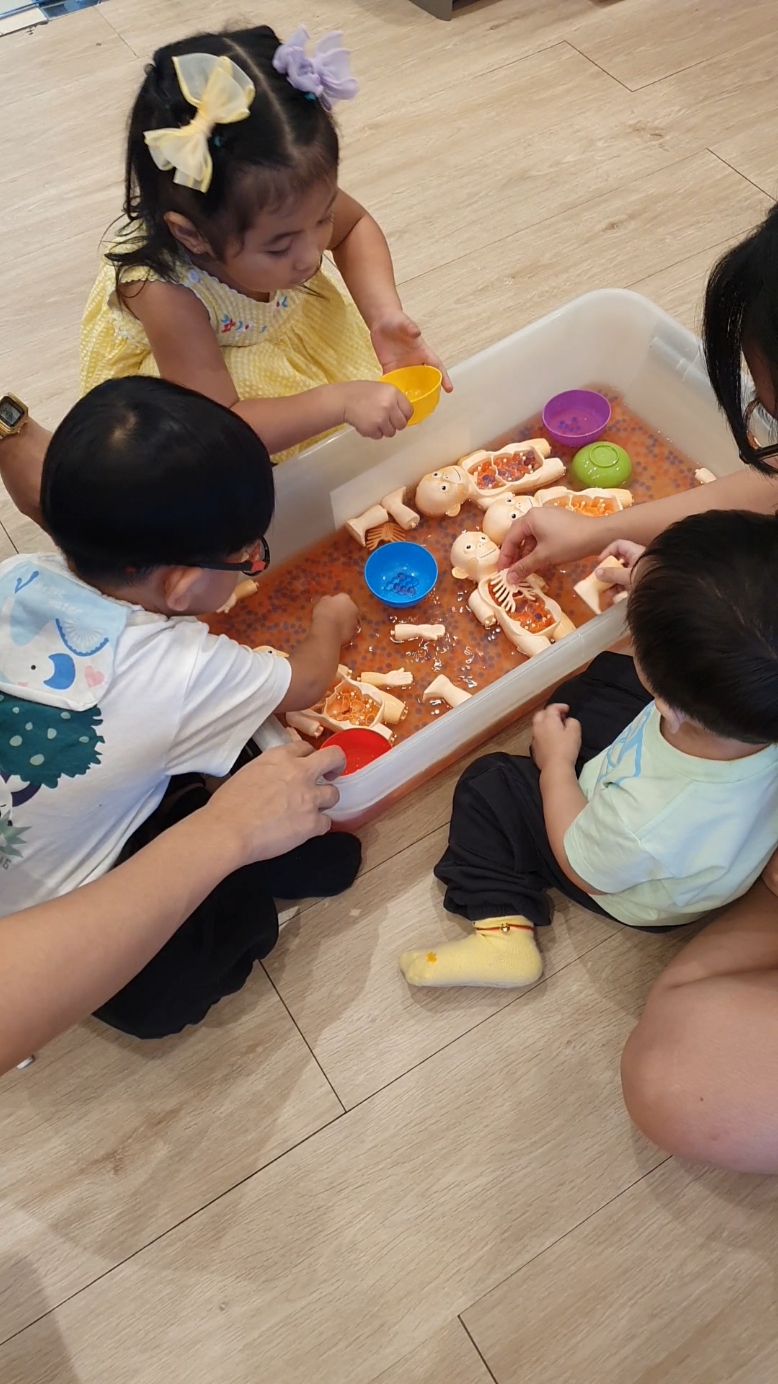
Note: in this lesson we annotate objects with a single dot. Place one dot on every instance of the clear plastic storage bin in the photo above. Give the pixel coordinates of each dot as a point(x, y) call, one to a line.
point(612, 338)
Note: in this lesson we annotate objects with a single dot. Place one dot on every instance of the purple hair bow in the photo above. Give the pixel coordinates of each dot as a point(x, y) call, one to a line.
point(324, 75)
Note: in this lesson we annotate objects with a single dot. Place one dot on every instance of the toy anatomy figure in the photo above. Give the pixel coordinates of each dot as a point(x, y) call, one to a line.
point(347, 705)
point(593, 503)
point(385, 523)
point(486, 476)
point(529, 618)
point(503, 512)
point(473, 555)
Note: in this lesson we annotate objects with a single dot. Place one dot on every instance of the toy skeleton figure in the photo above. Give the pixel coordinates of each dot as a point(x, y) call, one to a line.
point(529, 618)
point(519, 467)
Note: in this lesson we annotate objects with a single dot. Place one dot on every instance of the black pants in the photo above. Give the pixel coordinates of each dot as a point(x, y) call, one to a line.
point(212, 953)
point(498, 862)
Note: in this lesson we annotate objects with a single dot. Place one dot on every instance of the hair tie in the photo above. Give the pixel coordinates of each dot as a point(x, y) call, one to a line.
point(325, 76)
point(221, 94)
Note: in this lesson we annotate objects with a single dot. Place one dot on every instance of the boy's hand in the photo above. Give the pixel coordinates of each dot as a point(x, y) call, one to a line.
point(374, 409)
point(397, 341)
point(340, 614)
point(628, 553)
point(556, 737)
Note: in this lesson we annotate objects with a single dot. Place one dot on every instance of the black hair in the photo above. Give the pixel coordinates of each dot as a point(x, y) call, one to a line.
point(741, 311)
point(704, 622)
point(142, 473)
point(285, 146)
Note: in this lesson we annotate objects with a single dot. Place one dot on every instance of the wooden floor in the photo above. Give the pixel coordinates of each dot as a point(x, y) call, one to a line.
point(336, 1180)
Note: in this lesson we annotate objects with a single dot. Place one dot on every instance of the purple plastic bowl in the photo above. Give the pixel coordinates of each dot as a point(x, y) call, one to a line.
point(576, 417)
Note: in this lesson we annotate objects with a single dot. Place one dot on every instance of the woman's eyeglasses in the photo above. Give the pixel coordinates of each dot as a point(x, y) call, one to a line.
point(759, 451)
point(257, 560)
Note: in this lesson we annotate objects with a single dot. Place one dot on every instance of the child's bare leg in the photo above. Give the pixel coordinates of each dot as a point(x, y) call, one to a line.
point(700, 1071)
point(21, 465)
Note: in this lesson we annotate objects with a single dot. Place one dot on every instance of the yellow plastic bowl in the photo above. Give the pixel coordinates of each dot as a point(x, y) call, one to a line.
point(421, 386)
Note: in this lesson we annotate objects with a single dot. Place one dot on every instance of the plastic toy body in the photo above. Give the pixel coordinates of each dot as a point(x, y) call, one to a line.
point(504, 512)
point(530, 619)
point(520, 467)
point(594, 503)
point(473, 556)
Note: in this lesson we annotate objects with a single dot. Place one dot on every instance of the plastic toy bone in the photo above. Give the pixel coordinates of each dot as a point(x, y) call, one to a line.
point(444, 690)
point(484, 477)
point(403, 634)
point(593, 503)
point(384, 523)
point(591, 589)
point(473, 556)
point(503, 513)
point(530, 619)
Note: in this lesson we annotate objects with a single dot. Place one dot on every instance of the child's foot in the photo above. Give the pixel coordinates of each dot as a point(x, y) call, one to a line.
point(499, 952)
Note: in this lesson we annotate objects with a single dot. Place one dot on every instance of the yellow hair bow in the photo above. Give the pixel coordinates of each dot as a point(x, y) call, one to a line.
point(221, 94)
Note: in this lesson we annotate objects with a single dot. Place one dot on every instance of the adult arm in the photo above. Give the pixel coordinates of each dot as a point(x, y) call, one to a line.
point(61, 960)
point(545, 536)
point(21, 466)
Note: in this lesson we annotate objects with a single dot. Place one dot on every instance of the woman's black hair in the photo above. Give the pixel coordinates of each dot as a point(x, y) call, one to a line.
point(741, 312)
point(704, 622)
point(286, 145)
point(142, 473)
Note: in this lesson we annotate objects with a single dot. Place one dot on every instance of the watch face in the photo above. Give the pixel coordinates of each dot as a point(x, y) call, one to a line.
point(10, 413)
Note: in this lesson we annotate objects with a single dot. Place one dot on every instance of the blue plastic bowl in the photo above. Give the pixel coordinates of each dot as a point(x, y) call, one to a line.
point(401, 574)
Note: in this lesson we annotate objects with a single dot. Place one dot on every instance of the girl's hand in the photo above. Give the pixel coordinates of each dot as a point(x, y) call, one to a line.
point(546, 537)
point(556, 737)
point(375, 409)
point(628, 553)
point(397, 341)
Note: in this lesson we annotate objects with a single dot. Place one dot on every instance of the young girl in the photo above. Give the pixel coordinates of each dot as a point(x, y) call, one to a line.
point(216, 282)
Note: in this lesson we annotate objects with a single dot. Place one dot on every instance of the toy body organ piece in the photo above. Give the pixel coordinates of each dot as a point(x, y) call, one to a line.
point(529, 618)
point(519, 467)
point(593, 503)
point(385, 523)
point(349, 704)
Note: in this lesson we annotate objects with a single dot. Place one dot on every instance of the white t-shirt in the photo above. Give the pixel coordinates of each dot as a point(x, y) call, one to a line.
point(667, 837)
point(100, 703)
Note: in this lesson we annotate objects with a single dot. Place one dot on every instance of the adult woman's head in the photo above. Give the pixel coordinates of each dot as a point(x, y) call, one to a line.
point(142, 474)
point(259, 205)
point(741, 320)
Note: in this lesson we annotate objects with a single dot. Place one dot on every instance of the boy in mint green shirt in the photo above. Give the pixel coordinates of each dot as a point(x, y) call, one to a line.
point(652, 792)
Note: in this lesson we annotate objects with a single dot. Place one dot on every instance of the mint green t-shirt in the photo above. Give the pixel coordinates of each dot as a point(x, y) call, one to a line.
point(667, 837)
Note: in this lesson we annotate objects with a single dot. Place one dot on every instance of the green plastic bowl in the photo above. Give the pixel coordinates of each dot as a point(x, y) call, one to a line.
point(602, 464)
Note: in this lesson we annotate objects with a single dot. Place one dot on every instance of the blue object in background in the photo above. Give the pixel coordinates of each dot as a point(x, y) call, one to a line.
point(401, 574)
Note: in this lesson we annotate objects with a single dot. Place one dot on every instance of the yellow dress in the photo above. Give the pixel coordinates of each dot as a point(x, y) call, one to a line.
point(302, 338)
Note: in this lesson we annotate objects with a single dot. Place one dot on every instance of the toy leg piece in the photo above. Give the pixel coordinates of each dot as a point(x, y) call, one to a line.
point(372, 518)
point(396, 677)
point(442, 689)
point(402, 514)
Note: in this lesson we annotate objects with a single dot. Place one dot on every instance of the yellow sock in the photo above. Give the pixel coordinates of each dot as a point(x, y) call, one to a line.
point(500, 951)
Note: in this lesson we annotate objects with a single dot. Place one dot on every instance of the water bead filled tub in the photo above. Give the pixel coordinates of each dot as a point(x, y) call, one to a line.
point(663, 414)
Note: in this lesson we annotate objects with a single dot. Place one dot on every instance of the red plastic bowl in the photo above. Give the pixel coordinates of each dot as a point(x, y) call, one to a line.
point(360, 746)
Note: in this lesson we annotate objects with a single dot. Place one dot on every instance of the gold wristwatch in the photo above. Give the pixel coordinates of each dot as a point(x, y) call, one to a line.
point(13, 416)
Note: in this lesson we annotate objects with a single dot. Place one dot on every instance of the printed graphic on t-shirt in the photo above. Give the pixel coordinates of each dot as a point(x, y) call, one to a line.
point(624, 758)
point(39, 745)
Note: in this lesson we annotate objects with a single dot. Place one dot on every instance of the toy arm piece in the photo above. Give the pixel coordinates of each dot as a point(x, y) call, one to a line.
point(305, 722)
point(703, 476)
point(268, 649)
point(442, 689)
point(481, 609)
point(396, 677)
point(397, 509)
point(403, 633)
point(242, 590)
point(371, 519)
point(394, 708)
point(591, 588)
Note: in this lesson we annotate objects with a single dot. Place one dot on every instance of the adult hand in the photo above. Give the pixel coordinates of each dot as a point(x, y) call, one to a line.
point(546, 537)
point(279, 800)
point(556, 737)
point(397, 341)
point(628, 554)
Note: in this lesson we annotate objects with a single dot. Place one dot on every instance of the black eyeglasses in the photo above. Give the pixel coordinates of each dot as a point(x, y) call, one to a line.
point(256, 560)
point(758, 452)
